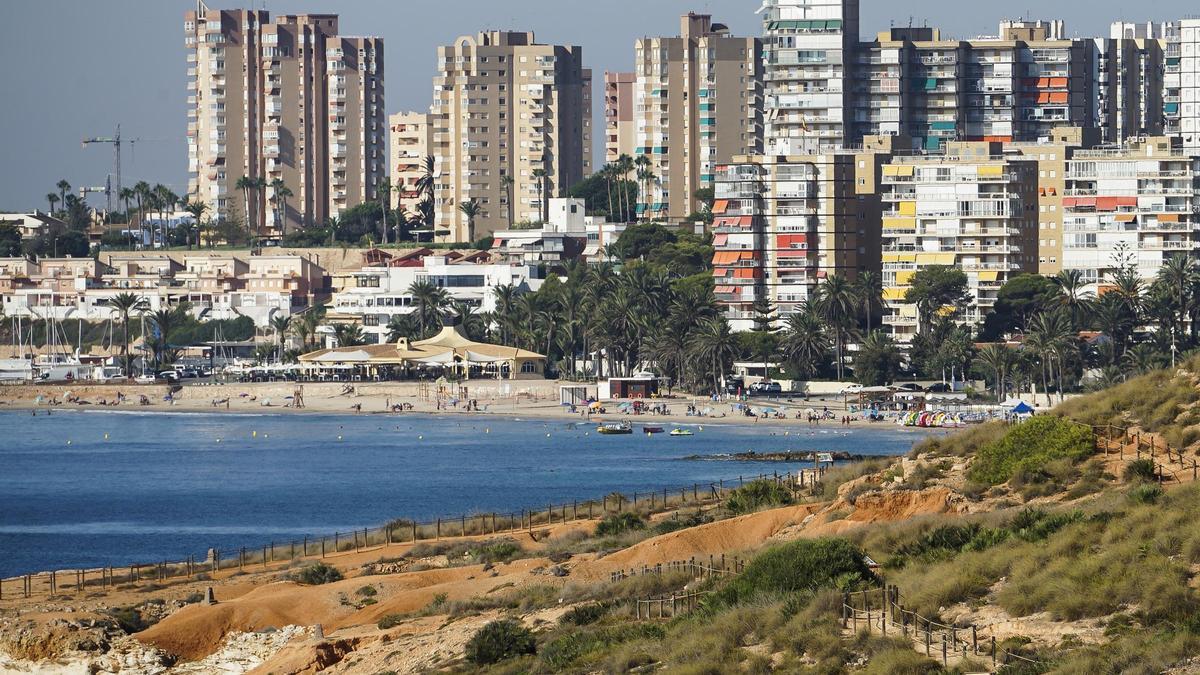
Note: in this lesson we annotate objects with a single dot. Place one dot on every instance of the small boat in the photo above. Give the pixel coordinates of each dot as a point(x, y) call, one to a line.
point(681, 432)
point(615, 428)
point(653, 430)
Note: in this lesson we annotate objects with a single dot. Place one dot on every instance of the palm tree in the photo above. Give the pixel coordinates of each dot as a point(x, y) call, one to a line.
point(997, 360)
point(125, 305)
point(540, 176)
point(306, 325)
point(165, 321)
point(877, 360)
point(1179, 273)
point(644, 175)
point(246, 184)
point(63, 187)
point(1070, 285)
point(470, 209)
point(869, 289)
point(1049, 336)
point(508, 181)
point(714, 344)
point(281, 325)
point(126, 195)
point(384, 193)
point(401, 326)
point(805, 343)
point(348, 334)
point(197, 209)
point(144, 194)
point(425, 183)
point(1142, 359)
point(506, 306)
point(51, 199)
point(283, 193)
point(835, 304)
point(276, 185)
point(624, 165)
point(429, 300)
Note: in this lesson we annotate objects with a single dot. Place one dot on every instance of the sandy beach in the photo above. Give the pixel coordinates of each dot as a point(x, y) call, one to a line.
point(521, 398)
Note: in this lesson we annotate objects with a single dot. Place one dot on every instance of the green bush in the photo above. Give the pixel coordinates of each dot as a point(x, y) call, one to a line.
point(1141, 470)
point(315, 575)
point(1029, 447)
point(583, 615)
point(500, 640)
point(618, 523)
point(562, 652)
point(804, 565)
point(1145, 494)
point(757, 495)
point(390, 621)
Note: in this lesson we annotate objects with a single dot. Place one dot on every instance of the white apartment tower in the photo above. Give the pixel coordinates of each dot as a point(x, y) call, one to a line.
point(807, 46)
point(284, 104)
point(1181, 99)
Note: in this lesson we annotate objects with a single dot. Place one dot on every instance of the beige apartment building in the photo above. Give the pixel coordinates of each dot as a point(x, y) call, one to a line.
point(411, 141)
point(972, 208)
point(698, 103)
point(505, 109)
point(620, 130)
point(288, 101)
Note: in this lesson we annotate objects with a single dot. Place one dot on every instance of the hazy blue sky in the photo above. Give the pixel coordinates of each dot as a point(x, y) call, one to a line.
point(76, 68)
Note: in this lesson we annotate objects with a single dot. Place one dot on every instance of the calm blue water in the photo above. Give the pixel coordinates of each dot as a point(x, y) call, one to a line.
point(161, 486)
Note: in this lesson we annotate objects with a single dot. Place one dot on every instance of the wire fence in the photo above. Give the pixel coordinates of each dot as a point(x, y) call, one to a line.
point(882, 610)
point(277, 555)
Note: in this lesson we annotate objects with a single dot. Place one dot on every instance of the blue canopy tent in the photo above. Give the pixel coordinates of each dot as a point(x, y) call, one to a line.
point(1022, 408)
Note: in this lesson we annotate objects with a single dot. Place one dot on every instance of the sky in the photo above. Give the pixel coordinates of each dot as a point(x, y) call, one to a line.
point(77, 68)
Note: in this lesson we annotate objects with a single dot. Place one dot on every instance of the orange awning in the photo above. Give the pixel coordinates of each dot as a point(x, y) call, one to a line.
point(720, 240)
point(1106, 203)
point(744, 273)
point(1058, 82)
point(725, 257)
point(720, 205)
point(1043, 97)
point(1043, 82)
point(1126, 217)
point(1059, 97)
point(1168, 217)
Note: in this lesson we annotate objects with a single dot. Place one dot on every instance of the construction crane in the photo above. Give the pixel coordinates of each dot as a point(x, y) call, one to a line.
point(115, 140)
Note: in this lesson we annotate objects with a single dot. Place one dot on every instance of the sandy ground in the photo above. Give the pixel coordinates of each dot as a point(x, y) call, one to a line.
point(527, 398)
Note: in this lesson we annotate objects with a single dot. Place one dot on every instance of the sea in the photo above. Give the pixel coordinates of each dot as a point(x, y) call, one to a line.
point(84, 488)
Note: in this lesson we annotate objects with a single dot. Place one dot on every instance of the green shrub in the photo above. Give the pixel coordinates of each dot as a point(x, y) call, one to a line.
point(367, 591)
point(757, 495)
point(583, 615)
point(1145, 494)
point(1141, 470)
point(317, 574)
point(562, 652)
point(676, 523)
point(804, 565)
point(390, 621)
point(500, 640)
point(618, 523)
point(1029, 447)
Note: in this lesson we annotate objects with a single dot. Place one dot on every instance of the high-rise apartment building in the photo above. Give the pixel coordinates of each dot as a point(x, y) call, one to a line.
point(507, 109)
point(1134, 205)
point(1129, 74)
point(1014, 87)
point(411, 141)
point(1181, 96)
point(783, 222)
point(286, 104)
point(808, 48)
point(698, 102)
point(620, 130)
point(971, 208)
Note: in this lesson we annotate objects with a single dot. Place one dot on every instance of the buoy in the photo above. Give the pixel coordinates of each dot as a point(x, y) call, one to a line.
point(218, 440)
point(339, 438)
point(68, 442)
point(487, 431)
point(419, 438)
point(106, 436)
point(254, 434)
point(700, 428)
point(547, 435)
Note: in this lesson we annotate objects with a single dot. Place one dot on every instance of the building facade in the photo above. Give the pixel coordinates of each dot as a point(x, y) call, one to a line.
point(411, 142)
point(1132, 206)
point(971, 208)
point(285, 104)
point(1181, 98)
point(698, 103)
point(507, 110)
point(620, 131)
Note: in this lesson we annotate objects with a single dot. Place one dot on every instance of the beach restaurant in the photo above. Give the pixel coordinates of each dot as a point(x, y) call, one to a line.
point(449, 353)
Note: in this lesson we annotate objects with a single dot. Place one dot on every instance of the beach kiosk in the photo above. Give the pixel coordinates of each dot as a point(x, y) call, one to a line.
point(640, 385)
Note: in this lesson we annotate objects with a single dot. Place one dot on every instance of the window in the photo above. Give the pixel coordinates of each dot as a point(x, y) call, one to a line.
point(529, 367)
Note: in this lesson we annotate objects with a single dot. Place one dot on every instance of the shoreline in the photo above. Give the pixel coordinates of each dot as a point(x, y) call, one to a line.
point(375, 399)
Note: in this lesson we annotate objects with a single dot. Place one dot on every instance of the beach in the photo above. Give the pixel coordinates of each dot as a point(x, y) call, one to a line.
point(528, 398)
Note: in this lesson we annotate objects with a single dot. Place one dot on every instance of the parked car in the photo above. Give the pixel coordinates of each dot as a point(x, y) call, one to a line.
point(909, 386)
point(169, 376)
point(766, 389)
point(939, 388)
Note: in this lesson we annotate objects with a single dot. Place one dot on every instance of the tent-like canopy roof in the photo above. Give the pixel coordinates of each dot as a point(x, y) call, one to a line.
point(447, 347)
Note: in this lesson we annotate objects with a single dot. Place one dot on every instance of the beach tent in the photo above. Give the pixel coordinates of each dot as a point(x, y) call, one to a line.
point(1022, 408)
